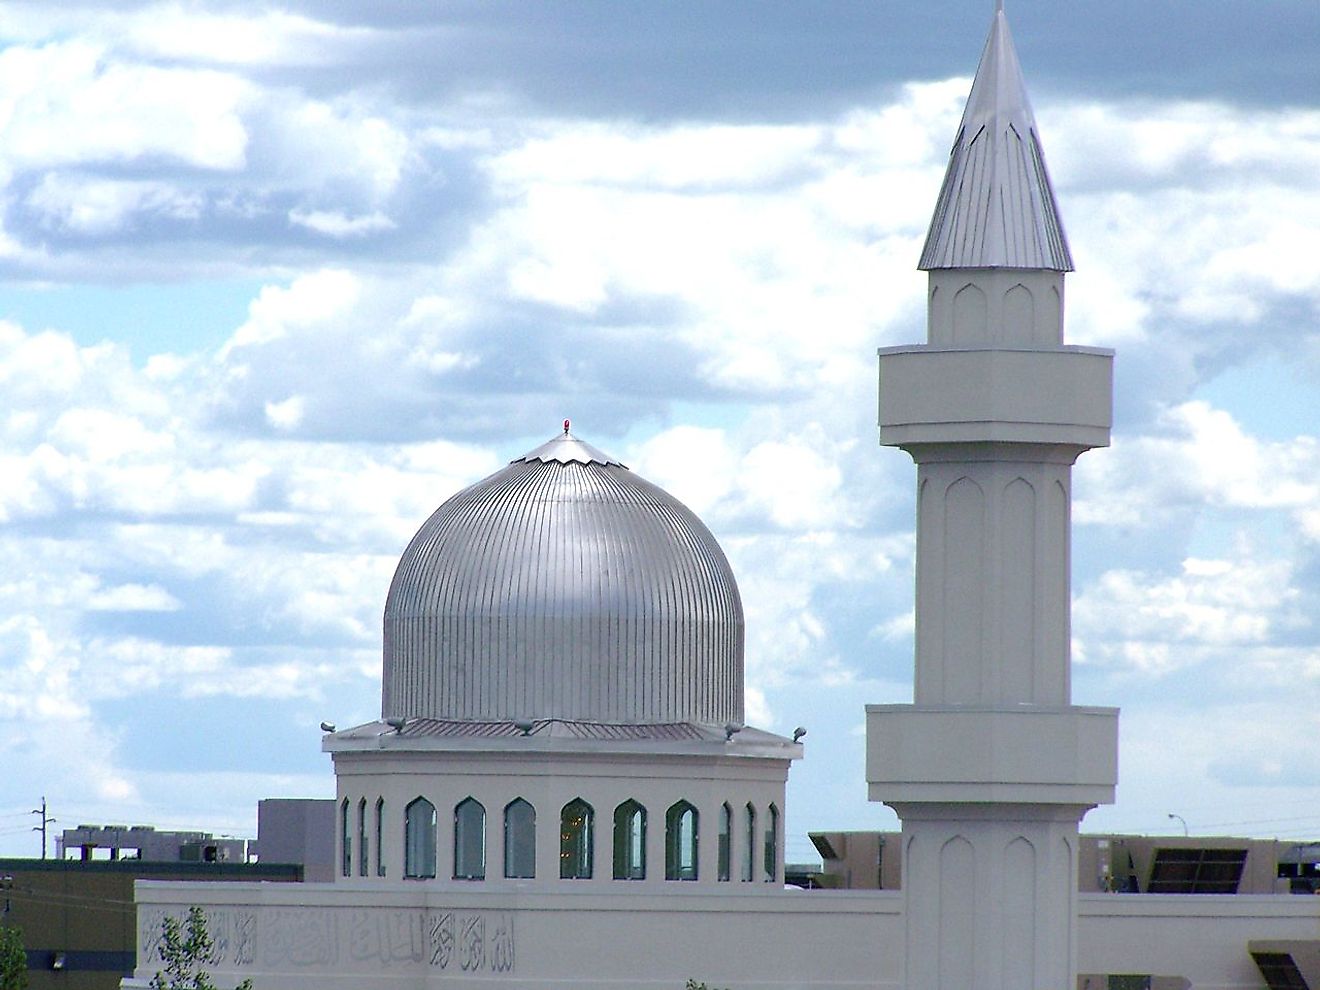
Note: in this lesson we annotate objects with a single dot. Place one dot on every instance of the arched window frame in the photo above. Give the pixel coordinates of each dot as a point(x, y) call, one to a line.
point(419, 821)
point(576, 840)
point(345, 841)
point(469, 840)
point(771, 860)
point(724, 871)
point(630, 841)
point(362, 837)
point(519, 840)
point(748, 872)
point(682, 830)
point(380, 836)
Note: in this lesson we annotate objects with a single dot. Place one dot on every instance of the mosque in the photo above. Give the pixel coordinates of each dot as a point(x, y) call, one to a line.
point(562, 792)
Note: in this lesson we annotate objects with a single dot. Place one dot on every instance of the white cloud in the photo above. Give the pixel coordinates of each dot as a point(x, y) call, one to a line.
point(343, 146)
point(714, 292)
point(286, 414)
point(309, 300)
point(1214, 611)
point(335, 224)
point(97, 206)
point(1197, 456)
point(133, 598)
point(271, 37)
point(71, 102)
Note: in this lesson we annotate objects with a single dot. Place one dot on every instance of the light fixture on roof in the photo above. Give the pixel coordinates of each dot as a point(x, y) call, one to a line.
point(525, 725)
point(327, 726)
point(730, 728)
point(396, 724)
point(798, 733)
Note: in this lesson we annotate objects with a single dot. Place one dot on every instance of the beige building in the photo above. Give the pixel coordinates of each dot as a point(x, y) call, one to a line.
point(1129, 864)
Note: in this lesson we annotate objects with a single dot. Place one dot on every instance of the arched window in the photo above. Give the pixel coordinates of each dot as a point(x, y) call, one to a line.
point(469, 840)
point(749, 852)
point(630, 841)
point(419, 839)
point(380, 837)
point(519, 839)
point(681, 842)
point(725, 842)
point(771, 845)
point(575, 840)
point(346, 840)
point(362, 837)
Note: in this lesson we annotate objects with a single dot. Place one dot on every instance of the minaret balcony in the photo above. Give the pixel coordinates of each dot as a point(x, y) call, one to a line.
point(1058, 396)
point(1023, 754)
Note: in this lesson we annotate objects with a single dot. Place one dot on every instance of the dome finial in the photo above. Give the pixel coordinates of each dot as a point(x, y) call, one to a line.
point(999, 6)
point(567, 424)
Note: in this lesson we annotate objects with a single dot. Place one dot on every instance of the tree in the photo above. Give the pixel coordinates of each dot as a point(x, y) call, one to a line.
point(13, 960)
point(186, 947)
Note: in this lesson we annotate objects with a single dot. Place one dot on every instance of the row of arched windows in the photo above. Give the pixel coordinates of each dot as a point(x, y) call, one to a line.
point(364, 846)
point(576, 840)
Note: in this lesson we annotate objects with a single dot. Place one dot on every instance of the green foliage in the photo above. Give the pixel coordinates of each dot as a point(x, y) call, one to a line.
point(13, 960)
point(186, 947)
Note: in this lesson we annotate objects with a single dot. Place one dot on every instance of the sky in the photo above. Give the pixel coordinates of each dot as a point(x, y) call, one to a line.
point(275, 281)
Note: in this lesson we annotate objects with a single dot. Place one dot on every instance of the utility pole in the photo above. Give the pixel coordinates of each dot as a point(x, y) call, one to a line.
point(45, 820)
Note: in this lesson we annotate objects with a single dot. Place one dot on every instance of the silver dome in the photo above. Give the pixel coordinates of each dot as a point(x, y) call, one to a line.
point(564, 586)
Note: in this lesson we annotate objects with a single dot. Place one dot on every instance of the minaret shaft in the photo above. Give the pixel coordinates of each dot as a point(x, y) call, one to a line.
point(992, 767)
point(992, 582)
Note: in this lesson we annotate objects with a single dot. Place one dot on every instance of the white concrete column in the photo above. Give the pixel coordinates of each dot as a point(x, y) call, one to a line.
point(993, 577)
point(997, 883)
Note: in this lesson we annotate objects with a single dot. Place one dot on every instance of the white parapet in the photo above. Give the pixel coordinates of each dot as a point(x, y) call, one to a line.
point(957, 395)
point(1020, 755)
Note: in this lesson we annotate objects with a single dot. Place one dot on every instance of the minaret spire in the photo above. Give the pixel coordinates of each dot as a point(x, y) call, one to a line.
point(997, 207)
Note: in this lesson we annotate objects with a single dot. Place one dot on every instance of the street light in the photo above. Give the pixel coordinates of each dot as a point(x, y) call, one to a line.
point(1181, 819)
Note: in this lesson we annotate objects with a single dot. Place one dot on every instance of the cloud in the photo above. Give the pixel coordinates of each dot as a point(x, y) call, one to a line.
point(94, 207)
point(1147, 618)
point(1197, 456)
point(210, 535)
point(335, 224)
point(133, 598)
point(71, 102)
point(309, 300)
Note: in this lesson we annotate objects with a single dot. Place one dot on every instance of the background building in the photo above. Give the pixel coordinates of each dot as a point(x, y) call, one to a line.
point(1130, 864)
point(76, 911)
point(78, 918)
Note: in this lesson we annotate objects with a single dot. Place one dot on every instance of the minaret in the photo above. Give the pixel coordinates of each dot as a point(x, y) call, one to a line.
point(992, 767)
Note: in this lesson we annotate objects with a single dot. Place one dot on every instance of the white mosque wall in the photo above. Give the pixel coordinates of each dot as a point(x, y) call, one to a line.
point(1200, 937)
point(298, 937)
point(753, 789)
point(291, 937)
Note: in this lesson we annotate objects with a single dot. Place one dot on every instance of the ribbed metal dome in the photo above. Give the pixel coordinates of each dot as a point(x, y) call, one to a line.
point(564, 586)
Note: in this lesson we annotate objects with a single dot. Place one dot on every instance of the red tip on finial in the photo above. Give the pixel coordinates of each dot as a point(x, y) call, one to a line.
point(567, 424)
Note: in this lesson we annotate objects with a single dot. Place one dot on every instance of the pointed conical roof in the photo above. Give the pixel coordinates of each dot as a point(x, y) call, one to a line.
point(997, 208)
point(567, 449)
